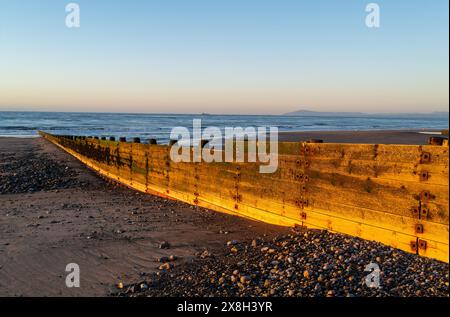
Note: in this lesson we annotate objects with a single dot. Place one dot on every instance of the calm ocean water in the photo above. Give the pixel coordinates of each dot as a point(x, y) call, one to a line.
point(159, 126)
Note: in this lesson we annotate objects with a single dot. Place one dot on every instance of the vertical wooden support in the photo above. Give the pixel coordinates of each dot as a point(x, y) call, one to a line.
point(302, 175)
point(196, 183)
point(167, 169)
point(148, 148)
point(237, 179)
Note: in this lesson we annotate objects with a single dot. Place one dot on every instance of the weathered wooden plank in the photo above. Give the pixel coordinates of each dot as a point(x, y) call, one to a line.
point(381, 152)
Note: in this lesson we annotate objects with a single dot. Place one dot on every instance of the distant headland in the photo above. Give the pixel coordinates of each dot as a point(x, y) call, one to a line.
point(309, 113)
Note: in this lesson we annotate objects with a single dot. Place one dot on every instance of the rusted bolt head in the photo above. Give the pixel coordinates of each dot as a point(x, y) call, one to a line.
point(413, 245)
point(419, 228)
point(424, 212)
point(416, 211)
point(436, 141)
point(425, 195)
point(422, 244)
point(425, 157)
point(424, 176)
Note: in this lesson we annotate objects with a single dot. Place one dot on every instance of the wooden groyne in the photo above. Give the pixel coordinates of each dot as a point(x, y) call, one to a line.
point(395, 194)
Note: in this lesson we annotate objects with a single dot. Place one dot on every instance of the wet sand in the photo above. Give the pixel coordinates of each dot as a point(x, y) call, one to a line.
point(74, 216)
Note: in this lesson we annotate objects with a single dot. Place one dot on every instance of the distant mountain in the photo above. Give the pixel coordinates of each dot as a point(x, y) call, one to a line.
point(308, 113)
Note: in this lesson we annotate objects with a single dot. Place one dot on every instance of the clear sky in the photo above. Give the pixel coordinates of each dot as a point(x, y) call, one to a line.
point(224, 56)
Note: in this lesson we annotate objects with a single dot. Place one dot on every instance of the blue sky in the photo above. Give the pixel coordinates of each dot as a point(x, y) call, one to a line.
point(217, 56)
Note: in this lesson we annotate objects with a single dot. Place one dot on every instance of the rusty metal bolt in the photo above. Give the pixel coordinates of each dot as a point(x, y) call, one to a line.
point(303, 215)
point(416, 211)
point(425, 157)
point(136, 140)
point(424, 176)
point(122, 139)
point(424, 212)
point(413, 245)
point(111, 138)
point(419, 228)
point(436, 141)
point(422, 244)
point(425, 195)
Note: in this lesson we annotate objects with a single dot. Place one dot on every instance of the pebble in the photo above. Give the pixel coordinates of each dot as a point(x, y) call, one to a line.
point(164, 245)
point(205, 254)
point(301, 264)
point(166, 266)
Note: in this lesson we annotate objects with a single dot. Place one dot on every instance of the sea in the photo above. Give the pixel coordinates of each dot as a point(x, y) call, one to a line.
point(159, 126)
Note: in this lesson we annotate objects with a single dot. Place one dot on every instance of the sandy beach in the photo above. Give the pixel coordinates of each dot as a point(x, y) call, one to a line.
point(55, 211)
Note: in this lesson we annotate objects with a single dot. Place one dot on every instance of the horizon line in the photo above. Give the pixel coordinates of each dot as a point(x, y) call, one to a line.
point(290, 113)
